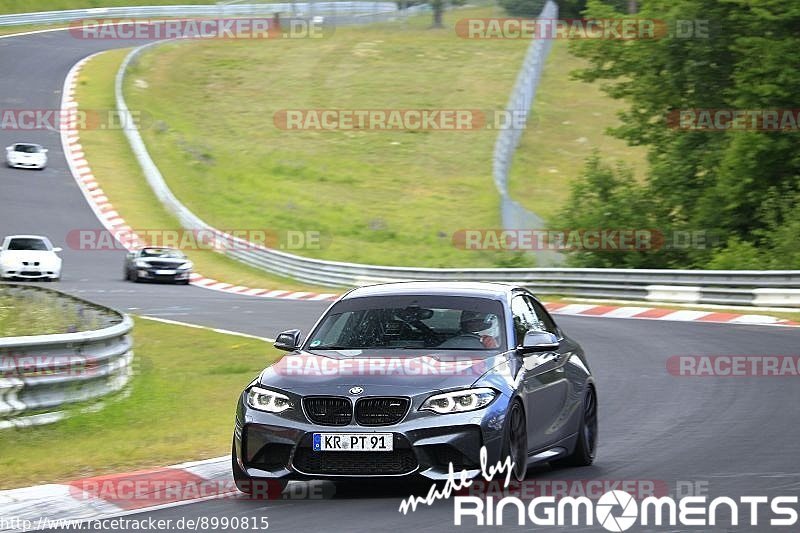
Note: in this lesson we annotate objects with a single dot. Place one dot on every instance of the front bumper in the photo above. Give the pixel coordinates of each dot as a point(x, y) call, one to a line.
point(26, 273)
point(159, 274)
point(269, 446)
point(27, 164)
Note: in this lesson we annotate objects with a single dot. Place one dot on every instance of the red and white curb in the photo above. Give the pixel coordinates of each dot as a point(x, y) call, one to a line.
point(657, 313)
point(113, 221)
point(57, 505)
point(115, 224)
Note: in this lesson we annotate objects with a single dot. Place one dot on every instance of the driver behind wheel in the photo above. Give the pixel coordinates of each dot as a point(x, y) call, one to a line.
point(480, 325)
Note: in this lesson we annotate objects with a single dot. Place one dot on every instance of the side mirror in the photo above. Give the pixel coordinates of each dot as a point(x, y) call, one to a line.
point(58, 249)
point(539, 341)
point(288, 340)
point(44, 151)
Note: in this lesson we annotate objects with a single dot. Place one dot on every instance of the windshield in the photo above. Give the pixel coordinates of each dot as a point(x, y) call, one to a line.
point(28, 148)
point(27, 244)
point(162, 253)
point(412, 322)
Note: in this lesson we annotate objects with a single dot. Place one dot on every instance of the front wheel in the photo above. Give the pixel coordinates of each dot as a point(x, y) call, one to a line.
point(586, 447)
point(515, 442)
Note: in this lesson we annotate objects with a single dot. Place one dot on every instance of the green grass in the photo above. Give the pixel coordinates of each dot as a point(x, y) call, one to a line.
point(568, 121)
point(377, 197)
point(116, 170)
point(180, 408)
point(29, 6)
point(39, 313)
point(6, 30)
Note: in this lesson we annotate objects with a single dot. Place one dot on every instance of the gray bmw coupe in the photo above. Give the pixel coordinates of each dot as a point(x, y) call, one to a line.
point(404, 379)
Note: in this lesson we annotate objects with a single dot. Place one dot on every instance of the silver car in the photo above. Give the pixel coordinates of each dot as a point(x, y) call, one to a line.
point(407, 379)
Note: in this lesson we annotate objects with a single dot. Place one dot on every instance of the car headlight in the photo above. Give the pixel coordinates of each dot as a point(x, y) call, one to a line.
point(141, 263)
point(186, 266)
point(459, 401)
point(267, 400)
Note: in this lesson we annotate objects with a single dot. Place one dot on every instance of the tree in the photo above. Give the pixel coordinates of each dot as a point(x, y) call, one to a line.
point(438, 7)
point(742, 54)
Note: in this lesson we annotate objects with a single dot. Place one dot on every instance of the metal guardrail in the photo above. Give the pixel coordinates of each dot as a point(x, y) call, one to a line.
point(40, 374)
point(210, 10)
point(774, 288)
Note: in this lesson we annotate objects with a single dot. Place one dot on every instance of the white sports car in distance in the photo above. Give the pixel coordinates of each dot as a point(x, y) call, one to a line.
point(26, 155)
point(29, 257)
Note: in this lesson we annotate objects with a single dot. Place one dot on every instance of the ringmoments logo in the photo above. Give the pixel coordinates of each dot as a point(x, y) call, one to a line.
point(618, 511)
point(615, 510)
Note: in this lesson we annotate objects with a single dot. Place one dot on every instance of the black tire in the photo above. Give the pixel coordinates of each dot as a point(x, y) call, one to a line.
point(586, 447)
point(515, 440)
point(256, 487)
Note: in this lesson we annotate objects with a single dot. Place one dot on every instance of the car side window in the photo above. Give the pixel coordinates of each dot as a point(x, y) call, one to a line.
point(544, 320)
point(524, 318)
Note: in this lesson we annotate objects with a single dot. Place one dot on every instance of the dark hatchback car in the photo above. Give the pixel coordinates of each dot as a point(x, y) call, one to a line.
point(403, 379)
point(158, 264)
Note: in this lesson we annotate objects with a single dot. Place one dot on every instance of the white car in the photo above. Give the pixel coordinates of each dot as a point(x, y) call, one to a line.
point(26, 155)
point(29, 257)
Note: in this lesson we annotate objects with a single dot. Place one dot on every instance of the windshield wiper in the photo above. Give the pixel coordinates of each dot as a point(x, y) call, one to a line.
point(403, 348)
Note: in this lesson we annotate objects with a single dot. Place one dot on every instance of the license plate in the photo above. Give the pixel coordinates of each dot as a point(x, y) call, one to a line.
point(353, 442)
point(165, 272)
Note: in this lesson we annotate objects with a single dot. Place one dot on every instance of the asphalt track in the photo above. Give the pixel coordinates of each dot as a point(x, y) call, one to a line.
point(738, 436)
point(49, 202)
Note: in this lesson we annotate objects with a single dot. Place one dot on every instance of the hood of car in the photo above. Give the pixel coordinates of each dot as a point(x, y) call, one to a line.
point(408, 373)
point(18, 256)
